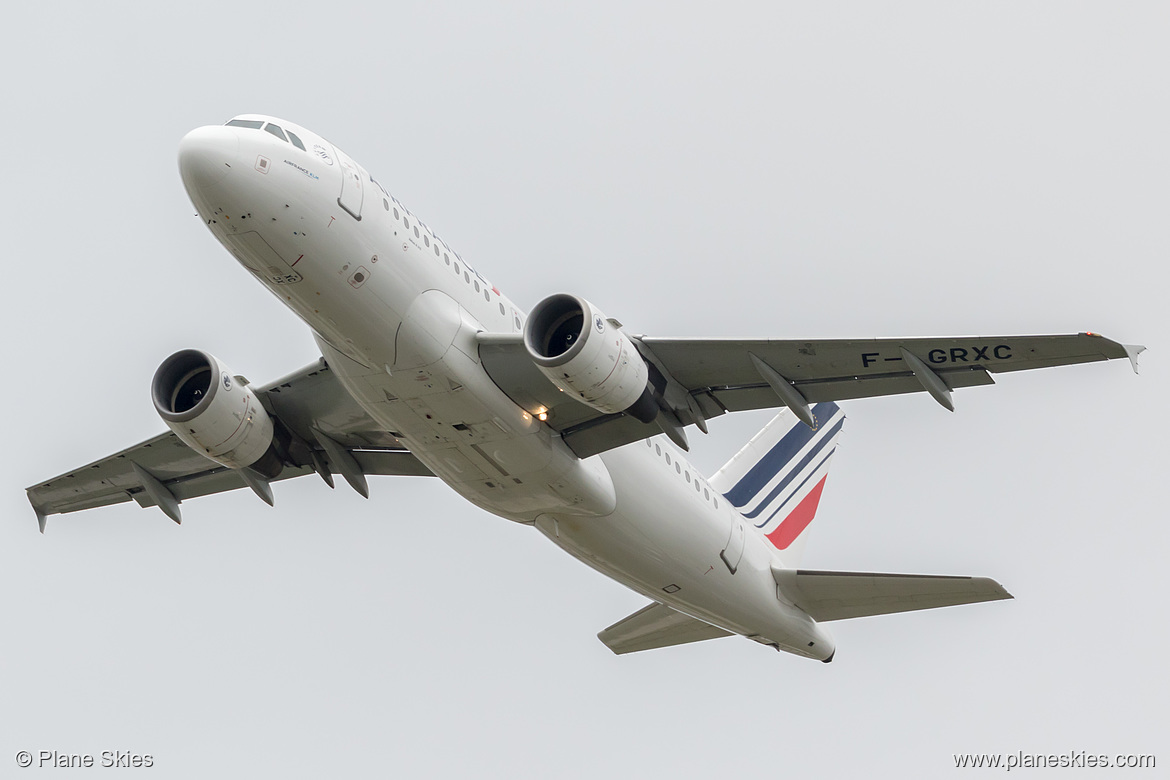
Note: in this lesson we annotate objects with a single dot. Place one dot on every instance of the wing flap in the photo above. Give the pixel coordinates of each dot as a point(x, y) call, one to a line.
point(90, 502)
point(760, 396)
point(390, 463)
point(839, 595)
point(654, 626)
point(605, 433)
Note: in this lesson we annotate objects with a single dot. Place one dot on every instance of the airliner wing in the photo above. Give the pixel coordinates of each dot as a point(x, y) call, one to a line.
point(656, 626)
point(722, 376)
point(698, 379)
point(311, 397)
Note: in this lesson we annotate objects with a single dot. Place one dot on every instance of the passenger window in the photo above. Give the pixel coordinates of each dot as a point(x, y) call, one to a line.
point(668, 459)
point(416, 231)
point(385, 202)
point(706, 495)
point(406, 222)
point(396, 214)
point(296, 141)
point(466, 277)
point(487, 297)
point(446, 259)
point(457, 268)
point(677, 468)
point(251, 124)
point(436, 249)
point(476, 286)
point(276, 131)
point(504, 313)
point(688, 476)
point(696, 485)
point(657, 449)
point(426, 241)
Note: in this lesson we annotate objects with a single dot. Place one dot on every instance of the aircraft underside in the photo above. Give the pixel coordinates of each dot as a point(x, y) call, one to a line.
point(558, 419)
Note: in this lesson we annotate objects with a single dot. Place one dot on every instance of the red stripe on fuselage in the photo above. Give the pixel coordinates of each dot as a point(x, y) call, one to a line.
point(798, 519)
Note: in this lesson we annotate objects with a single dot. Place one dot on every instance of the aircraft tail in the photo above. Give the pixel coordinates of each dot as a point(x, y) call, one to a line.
point(776, 480)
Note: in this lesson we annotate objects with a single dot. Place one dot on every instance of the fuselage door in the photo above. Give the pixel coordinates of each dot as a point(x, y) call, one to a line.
point(352, 189)
point(733, 550)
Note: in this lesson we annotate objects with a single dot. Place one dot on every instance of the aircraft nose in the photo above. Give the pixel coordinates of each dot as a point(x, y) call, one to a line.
point(206, 155)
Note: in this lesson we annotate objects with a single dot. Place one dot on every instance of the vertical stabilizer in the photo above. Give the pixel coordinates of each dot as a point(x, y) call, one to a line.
point(776, 480)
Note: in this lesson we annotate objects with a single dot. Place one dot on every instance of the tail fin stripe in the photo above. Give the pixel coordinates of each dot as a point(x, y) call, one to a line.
point(768, 466)
point(816, 470)
point(795, 472)
point(801, 516)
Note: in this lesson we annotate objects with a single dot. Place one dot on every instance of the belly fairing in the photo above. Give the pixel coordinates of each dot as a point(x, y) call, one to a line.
point(457, 422)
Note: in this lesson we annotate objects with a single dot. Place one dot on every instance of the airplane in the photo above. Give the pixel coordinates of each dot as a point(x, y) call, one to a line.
point(557, 419)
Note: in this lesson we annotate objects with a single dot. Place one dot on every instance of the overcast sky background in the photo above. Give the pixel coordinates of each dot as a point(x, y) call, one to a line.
point(715, 169)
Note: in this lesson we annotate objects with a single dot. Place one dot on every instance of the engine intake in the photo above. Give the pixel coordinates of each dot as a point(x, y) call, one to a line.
point(583, 353)
point(200, 400)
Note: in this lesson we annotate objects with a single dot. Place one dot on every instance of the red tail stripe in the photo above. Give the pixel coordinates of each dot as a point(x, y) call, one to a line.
point(798, 519)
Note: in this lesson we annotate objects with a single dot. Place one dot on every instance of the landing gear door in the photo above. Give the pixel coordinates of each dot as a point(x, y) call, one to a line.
point(352, 188)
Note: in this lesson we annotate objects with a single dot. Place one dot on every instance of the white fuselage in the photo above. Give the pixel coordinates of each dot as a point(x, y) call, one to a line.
point(396, 312)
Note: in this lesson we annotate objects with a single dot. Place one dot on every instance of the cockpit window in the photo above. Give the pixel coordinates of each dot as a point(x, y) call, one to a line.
point(256, 124)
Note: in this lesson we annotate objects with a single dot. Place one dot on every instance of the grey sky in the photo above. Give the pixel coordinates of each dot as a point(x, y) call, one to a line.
point(693, 169)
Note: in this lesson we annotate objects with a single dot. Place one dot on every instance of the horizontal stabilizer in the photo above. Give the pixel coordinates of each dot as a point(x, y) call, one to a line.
point(656, 626)
point(837, 595)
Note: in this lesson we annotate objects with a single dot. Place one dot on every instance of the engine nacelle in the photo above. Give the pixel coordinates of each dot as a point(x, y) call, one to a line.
point(580, 350)
point(201, 401)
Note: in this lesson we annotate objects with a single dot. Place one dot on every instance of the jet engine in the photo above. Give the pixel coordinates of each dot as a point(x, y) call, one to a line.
point(584, 353)
point(214, 413)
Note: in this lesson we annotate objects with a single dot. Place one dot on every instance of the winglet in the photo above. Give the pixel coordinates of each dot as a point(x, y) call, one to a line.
point(1132, 351)
point(41, 519)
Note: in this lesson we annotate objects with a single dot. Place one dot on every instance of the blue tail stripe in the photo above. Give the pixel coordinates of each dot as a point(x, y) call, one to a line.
point(807, 459)
point(783, 451)
point(815, 470)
